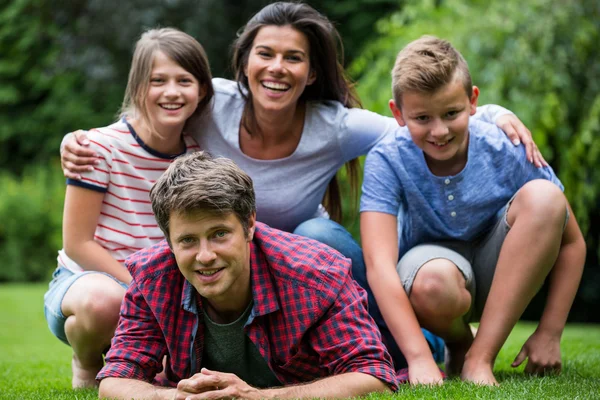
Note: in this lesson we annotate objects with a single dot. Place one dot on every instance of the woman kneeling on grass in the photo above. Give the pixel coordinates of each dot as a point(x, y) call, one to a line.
point(107, 214)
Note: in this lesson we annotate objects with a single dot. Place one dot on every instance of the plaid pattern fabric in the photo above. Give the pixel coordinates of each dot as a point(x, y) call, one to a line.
point(309, 318)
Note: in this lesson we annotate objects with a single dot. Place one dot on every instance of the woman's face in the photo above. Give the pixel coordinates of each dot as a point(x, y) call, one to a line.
point(278, 68)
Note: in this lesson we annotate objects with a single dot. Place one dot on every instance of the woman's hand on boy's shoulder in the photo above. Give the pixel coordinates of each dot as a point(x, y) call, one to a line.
point(518, 133)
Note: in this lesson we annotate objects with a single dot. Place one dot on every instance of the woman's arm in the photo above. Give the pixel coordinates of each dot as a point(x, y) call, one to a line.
point(378, 232)
point(81, 213)
point(75, 155)
point(362, 129)
point(512, 126)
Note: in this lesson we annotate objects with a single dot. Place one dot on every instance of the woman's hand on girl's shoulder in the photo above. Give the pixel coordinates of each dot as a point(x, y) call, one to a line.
point(76, 156)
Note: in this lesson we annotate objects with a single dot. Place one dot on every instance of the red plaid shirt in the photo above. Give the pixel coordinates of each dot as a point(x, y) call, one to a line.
point(308, 321)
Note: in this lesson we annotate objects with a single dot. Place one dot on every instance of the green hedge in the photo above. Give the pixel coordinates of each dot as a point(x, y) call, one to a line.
point(31, 215)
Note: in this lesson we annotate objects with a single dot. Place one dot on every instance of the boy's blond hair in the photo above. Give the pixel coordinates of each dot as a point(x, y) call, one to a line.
point(427, 64)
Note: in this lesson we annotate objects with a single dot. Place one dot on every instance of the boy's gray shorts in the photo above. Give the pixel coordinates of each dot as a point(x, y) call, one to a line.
point(476, 260)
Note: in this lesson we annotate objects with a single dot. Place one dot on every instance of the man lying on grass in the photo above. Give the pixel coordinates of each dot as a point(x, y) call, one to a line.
point(239, 309)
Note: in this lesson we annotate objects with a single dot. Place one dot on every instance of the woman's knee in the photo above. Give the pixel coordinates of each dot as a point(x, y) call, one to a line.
point(321, 229)
point(333, 235)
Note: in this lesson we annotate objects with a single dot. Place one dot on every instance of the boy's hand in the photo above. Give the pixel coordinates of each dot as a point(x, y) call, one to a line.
point(543, 352)
point(518, 133)
point(424, 372)
point(75, 157)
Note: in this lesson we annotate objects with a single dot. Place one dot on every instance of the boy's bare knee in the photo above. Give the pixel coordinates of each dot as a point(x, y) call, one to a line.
point(439, 289)
point(539, 200)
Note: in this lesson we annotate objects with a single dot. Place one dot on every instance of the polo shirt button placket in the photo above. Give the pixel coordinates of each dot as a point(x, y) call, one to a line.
point(453, 214)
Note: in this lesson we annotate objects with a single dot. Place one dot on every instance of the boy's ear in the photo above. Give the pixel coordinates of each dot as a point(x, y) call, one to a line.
point(397, 113)
point(473, 100)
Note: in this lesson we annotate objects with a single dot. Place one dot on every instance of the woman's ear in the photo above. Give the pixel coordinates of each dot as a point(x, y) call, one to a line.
point(312, 77)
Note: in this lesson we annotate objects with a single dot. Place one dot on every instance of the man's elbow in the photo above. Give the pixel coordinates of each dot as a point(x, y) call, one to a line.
point(105, 390)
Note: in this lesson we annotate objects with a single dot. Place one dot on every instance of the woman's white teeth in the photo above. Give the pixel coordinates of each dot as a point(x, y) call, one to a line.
point(171, 106)
point(276, 86)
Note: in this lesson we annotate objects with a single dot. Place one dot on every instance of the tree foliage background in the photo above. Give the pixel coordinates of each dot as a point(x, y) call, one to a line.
point(64, 66)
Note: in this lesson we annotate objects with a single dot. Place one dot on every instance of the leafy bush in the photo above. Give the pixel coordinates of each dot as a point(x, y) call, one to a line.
point(30, 232)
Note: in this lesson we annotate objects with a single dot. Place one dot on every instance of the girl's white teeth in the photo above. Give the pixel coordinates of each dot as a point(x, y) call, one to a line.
point(276, 86)
point(171, 106)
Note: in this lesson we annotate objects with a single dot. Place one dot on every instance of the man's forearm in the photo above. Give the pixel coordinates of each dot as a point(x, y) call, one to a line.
point(351, 384)
point(127, 389)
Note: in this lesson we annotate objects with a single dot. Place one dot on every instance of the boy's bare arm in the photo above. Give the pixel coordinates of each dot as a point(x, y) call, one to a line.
point(543, 347)
point(380, 244)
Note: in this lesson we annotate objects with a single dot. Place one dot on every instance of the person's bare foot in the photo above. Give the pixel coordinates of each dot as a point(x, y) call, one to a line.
point(83, 377)
point(478, 373)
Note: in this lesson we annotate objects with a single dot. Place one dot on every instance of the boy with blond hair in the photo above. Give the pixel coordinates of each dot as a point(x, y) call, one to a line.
point(480, 228)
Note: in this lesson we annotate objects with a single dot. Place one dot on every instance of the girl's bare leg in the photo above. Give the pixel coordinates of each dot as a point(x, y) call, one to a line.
point(92, 306)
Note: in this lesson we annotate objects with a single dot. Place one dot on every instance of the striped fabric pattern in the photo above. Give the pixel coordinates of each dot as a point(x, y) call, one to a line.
point(127, 170)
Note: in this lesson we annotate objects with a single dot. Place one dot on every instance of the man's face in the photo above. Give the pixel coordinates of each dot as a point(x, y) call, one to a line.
point(213, 254)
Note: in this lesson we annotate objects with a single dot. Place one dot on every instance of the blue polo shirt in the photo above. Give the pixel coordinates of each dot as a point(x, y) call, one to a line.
point(430, 208)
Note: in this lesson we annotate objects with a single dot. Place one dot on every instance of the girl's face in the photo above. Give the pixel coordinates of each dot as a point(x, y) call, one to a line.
point(173, 95)
point(278, 68)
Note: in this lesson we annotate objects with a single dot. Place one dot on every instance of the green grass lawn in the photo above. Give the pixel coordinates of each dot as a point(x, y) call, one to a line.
point(35, 365)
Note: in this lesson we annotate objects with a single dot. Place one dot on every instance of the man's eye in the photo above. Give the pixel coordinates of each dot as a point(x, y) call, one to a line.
point(187, 240)
point(220, 234)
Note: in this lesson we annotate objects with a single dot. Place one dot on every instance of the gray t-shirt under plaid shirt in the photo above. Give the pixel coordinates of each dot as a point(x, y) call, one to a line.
point(227, 348)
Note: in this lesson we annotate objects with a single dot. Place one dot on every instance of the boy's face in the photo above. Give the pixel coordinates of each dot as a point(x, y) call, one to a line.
point(438, 123)
point(213, 253)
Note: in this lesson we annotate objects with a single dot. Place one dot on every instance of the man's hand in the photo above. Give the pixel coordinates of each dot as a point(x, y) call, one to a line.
point(75, 156)
point(517, 132)
point(216, 385)
point(542, 350)
point(424, 372)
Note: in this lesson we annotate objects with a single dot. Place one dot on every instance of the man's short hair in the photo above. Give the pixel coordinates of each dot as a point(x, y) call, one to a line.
point(427, 64)
point(200, 182)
